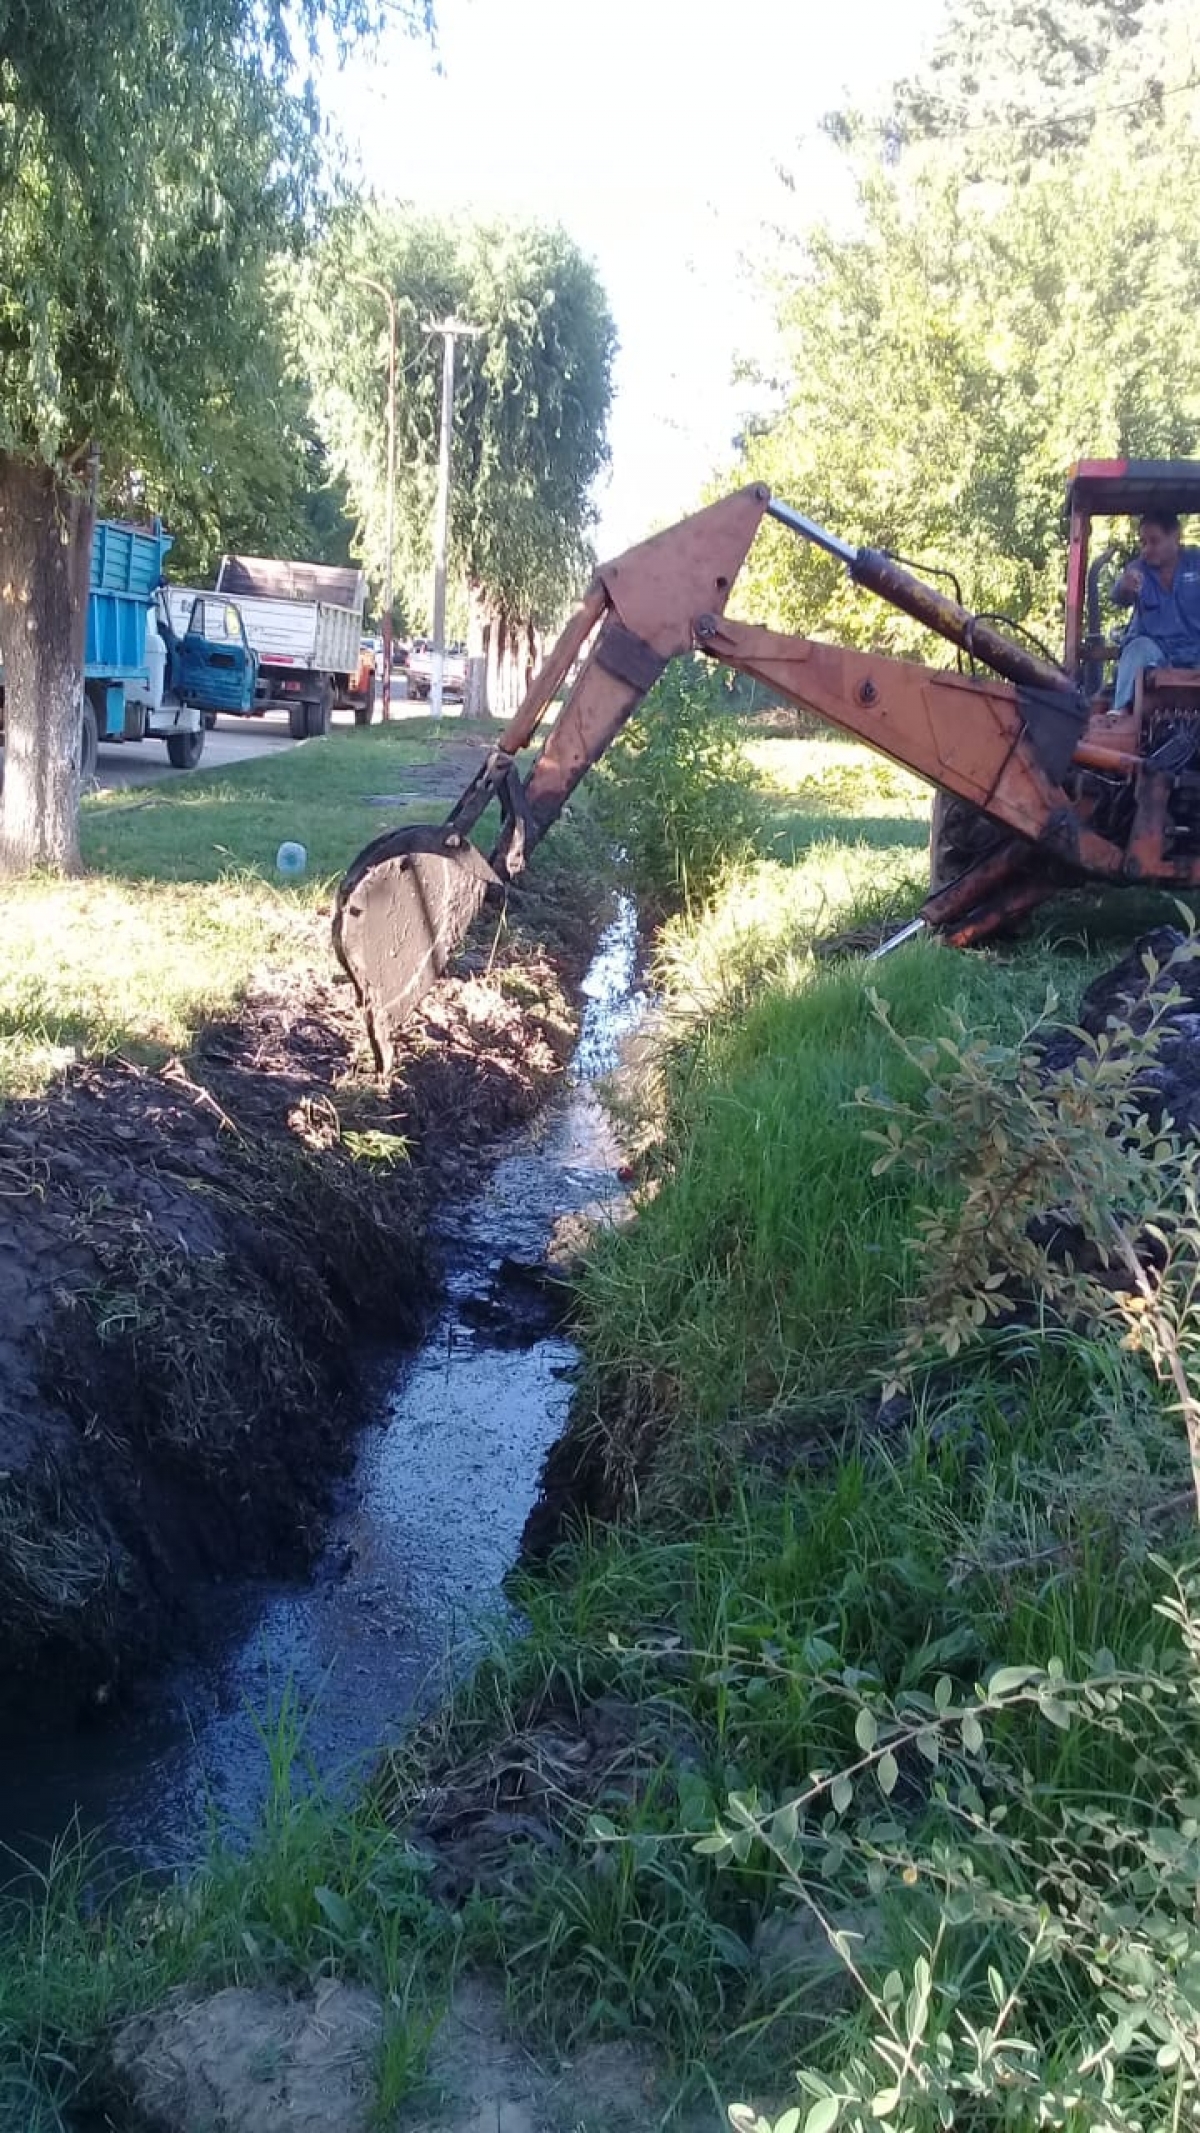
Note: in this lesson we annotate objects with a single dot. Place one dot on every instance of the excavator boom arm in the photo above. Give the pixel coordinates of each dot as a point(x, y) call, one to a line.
point(1002, 742)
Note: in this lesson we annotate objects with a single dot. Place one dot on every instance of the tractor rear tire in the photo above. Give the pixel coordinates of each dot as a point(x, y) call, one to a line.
point(363, 712)
point(184, 750)
point(89, 743)
point(958, 836)
point(298, 721)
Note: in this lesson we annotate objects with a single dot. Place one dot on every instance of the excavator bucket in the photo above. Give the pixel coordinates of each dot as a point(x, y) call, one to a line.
point(401, 911)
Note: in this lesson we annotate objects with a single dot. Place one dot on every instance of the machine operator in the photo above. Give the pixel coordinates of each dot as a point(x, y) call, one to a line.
point(1163, 589)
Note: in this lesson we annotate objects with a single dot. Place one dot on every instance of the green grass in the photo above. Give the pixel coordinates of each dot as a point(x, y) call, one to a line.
point(817, 786)
point(770, 1264)
point(231, 821)
point(181, 911)
point(751, 1632)
point(321, 1889)
point(760, 1288)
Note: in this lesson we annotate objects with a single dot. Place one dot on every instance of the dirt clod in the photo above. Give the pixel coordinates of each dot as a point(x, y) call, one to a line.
point(256, 2061)
point(532, 1789)
point(485, 2081)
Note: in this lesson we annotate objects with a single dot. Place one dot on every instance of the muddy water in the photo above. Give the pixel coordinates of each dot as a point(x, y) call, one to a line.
point(410, 1579)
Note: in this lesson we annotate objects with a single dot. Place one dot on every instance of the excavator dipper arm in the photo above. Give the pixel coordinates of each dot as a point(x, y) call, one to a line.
point(1004, 745)
point(408, 899)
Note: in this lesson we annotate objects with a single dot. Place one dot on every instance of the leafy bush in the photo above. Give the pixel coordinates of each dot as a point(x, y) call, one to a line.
point(1036, 1845)
point(678, 793)
point(1055, 1184)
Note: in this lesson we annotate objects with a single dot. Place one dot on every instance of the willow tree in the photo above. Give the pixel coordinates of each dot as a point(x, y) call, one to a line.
point(530, 412)
point(1017, 291)
point(154, 156)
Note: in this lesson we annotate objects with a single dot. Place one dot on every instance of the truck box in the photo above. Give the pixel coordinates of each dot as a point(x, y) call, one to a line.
point(127, 566)
point(140, 682)
point(305, 622)
point(298, 614)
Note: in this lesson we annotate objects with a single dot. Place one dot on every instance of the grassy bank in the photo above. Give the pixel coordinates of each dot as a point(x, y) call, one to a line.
point(922, 1674)
point(182, 911)
point(865, 1743)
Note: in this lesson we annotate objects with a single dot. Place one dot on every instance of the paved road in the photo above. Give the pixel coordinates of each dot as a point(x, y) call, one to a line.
point(233, 740)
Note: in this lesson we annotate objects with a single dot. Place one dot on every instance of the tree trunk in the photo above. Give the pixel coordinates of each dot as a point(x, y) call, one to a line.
point(492, 668)
point(475, 696)
point(45, 557)
point(503, 658)
point(517, 658)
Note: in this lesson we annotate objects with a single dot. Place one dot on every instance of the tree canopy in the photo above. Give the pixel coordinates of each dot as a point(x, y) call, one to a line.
point(1015, 293)
point(156, 156)
point(144, 151)
point(531, 400)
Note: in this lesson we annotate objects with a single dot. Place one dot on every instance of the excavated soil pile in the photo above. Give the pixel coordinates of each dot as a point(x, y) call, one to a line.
point(1124, 994)
point(190, 1256)
point(256, 2060)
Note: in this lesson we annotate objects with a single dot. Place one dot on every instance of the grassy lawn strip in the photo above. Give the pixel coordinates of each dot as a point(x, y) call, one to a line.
point(182, 912)
point(232, 820)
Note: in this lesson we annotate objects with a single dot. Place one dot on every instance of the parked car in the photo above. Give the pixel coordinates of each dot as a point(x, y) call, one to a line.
point(420, 669)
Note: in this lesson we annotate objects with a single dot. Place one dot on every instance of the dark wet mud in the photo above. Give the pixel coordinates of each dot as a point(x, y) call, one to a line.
point(410, 1579)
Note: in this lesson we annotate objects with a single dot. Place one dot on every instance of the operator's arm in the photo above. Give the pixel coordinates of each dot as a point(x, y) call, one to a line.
point(1127, 589)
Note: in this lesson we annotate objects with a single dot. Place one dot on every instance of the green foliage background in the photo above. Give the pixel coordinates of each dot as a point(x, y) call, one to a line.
point(531, 401)
point(1016, 290)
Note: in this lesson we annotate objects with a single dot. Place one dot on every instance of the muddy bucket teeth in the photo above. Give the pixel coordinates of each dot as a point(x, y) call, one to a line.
point(401, 910)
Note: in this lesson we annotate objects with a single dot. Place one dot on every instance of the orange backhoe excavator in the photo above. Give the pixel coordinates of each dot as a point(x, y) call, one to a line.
point(1040, 785)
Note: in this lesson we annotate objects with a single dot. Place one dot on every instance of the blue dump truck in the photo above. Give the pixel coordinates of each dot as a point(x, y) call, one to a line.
point(144, 677)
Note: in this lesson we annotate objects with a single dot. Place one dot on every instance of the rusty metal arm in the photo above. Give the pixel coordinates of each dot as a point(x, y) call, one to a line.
point(1002, 749)
point(1005, 749)
point(646, 603)
point(880, 573)
point(1004, 745)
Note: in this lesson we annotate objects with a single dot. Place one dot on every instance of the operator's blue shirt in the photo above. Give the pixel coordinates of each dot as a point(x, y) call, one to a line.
point(1171, 618)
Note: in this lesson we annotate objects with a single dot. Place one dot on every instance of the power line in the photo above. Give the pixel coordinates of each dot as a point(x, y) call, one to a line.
point(1151, 98)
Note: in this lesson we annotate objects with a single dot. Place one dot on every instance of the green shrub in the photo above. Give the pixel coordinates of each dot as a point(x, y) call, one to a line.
point(1033, 1848)
point(678, 794)
point(1054, 1184)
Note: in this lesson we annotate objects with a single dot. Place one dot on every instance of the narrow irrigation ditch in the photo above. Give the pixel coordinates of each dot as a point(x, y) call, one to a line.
point(339, 1657)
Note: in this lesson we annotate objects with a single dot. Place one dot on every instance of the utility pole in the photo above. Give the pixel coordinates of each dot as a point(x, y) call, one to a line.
point(365, 282)
point(451, 330)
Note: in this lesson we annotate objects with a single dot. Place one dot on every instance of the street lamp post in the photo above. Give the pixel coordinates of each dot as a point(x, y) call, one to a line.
point(365, 282)
point(451, 330)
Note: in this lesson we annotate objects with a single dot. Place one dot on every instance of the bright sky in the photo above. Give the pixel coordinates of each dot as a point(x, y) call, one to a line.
point(653, 130)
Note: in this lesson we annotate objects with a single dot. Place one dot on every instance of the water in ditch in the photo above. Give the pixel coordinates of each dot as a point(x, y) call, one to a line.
point(445, 1474)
